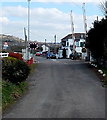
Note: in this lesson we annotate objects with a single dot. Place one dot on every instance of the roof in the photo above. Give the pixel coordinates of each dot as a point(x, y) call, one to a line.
point(77, 36)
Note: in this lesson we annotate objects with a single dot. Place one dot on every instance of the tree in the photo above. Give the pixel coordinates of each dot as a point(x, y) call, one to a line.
point(104, 8)
point(97, 40)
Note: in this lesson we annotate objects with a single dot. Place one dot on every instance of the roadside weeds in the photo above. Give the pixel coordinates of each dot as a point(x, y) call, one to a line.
point(10, 92)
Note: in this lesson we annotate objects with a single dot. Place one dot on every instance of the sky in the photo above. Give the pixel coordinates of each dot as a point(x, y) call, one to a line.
point(47, 17)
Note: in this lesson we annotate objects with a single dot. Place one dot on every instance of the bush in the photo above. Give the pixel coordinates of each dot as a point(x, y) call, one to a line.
point(14, 70)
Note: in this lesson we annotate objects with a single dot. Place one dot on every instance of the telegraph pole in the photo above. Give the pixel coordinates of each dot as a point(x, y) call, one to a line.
point(55, 44)
point(45, 45)
point(72, 29)
point(55, 39)
point(25, 37)
point(85, 28)
point(84, 18)
point(28, 28)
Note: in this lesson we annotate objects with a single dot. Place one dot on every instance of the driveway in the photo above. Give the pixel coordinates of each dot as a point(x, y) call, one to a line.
point(61, 88)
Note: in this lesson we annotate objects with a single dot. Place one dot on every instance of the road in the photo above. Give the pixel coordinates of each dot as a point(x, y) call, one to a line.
point(61, 88)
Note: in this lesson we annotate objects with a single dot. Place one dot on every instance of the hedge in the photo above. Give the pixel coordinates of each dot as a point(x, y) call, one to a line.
point(14, 70)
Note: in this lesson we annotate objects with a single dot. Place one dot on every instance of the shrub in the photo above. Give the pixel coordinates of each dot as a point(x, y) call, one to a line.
point(14, 70)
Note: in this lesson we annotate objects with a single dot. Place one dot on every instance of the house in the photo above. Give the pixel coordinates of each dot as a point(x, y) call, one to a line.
point(67, 45)
point(45, 48)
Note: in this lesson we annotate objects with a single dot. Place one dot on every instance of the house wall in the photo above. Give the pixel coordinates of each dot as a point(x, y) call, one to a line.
point(45, 48)
point(67, 42)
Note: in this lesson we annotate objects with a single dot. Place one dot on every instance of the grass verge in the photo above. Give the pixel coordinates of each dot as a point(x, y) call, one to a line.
point(10, 92)
point(32, 67)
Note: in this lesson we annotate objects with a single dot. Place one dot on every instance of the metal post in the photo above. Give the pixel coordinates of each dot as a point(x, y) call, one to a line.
point(28, 27)
point(25, 37)
point(84, 17)
point(55, 44)
point(72, 29)
point(85, 28)
point(45, 45)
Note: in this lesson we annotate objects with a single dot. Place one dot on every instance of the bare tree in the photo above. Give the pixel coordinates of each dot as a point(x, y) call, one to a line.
point(104, 7)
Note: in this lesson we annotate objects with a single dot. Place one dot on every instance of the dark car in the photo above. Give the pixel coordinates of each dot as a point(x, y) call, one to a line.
point(75, 56)
point(53, 56)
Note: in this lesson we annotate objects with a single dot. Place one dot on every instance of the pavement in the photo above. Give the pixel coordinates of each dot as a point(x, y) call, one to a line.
point(61, 88)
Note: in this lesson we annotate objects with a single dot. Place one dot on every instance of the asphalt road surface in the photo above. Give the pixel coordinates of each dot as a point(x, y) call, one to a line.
point(61, 88)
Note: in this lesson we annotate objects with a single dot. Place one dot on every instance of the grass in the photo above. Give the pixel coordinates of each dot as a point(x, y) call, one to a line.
point(32, 67)
point(10, 92)
point(0, 95)
point(102, 78)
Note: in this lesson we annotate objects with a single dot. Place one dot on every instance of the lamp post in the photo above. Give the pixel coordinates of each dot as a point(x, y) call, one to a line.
point(55, 44)
point(28, 27)
point(45, 45)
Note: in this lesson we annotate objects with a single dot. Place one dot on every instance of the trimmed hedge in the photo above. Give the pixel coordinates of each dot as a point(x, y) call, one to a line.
point(14, 70)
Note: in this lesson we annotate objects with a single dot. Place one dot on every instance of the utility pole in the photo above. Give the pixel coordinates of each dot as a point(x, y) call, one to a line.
point(45, 45)
point(84, 18)
point(72, 29)
point(55, 39)
point(85, 28)
point(26, 45)
point(25, 37)
point(55, 44)
point(28, 28)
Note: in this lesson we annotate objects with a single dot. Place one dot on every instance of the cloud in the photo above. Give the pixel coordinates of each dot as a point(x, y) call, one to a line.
point(18, 11)
point(44, 22)
point(4, 20)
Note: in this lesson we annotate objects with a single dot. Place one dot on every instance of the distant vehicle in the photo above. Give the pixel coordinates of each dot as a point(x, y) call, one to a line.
point(50, 55)
point(53, 56)
point(75, 56)
point(38, 53)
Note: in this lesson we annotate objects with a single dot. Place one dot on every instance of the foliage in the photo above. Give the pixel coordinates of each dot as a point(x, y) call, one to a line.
point(10, 92)
point(97, 40)
point(14, 70)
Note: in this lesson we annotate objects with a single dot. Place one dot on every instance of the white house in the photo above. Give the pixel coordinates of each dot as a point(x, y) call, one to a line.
point(45, 48)
point(67, 45)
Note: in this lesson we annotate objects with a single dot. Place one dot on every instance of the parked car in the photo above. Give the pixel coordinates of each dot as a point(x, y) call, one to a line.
point(38, 53)
point(53, 56)
point(75, 56)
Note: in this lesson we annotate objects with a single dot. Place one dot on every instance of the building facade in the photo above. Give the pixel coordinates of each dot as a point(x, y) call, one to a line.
point(68, 44)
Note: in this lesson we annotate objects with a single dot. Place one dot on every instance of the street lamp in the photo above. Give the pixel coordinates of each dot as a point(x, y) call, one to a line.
point(45, 45)
point(28, 27)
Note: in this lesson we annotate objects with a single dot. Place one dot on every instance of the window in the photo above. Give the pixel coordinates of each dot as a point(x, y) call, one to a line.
point(77, 44)
point(64, 43)
point(82, 44)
